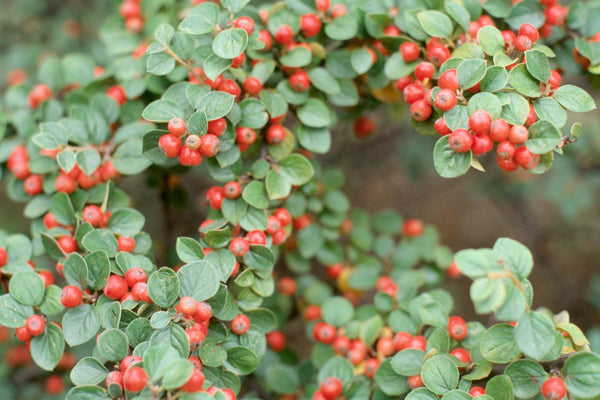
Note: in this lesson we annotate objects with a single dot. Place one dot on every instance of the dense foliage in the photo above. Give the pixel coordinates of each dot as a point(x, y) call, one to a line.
point(247, 95)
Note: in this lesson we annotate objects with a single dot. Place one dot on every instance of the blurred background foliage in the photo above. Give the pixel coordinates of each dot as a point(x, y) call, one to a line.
point(557, 215)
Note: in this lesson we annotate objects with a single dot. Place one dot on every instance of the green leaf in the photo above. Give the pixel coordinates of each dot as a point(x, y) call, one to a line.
point(447, 162)
point(80, 324)
point(62, 209)
point(435, 23)
point(112, 345)
point(160, 64)
point(202, 19)
point(490, 39)
point(527, 377)
point(259, 258)
point(495, 79)
point(516, 110)
point(296, 169)
point(188, 249)
point(395, 67)
point(87, 393)
point(582, 375)
point(525, 12)
point(129, 158)
point(543, 137)
point(524, 83)
point(88, 161)
point(440, 374)
point(177, 374)
point(538, 65)
point(27, 288)
point(498, 344)
point(534, 335)
point(199, 280)
point(408, 362)
point(164, 33)
point(88, 371)
point(574, 98)
point(12, 313)
point(337, 311)
point(298, 57)
point(516, 256)
point(336, 367)
point(162, 110)
point(255, 195)
point(126, 222)
point(470, 72)
point(361, 60)
point(389, 381)
point(47, 348)
point(76, 270)
point(51, 304)
point(282, 379)
point(487, 102)
point(477, 263)
point(342, 28)
point(314, 113)
point(500, 388)
point(459, 13)
point(241, 360)
point(215, 104)
point(230, 43)
point(101, 240)
point(163, 287)
point(324, 81)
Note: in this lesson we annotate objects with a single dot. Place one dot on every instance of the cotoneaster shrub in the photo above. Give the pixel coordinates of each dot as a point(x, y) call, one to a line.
point(247, 94)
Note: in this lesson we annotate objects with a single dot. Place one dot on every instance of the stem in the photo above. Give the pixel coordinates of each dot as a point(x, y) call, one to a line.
point(185, 64)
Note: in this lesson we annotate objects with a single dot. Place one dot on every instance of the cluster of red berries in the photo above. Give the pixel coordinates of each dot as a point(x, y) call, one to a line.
point(199, 313)
point(189, 148)
point(131, 11)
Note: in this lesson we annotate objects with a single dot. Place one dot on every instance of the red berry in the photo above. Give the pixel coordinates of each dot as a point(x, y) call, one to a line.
point(170, 145)
point(209, 145)
point(555, 14)
point(509, 37)
point(252, 85)
point(310, 24)
point(203, 312)
point(283, 216)
point(522, 43)
point(507, 164)
point(126, 244)
point(284, 35)
point(324, 333)
point(322, 5)
point(232, 190)
point(410, 51)
point(139, 292)
point(530, 31)
point(65, 184)
point(67, 244)
point(3, 257)
point(187, 306)
point(117, 93)
point(71, 296)
point(239, 247)
point(130, 9)
point(33, 185)
point(245, 23)
point(525, 158)
point(531, 117)
point(115, 287)
point(267, 39)
point(417, 342)
point(474, 27)
point(554, 388)
point(457, 328)
point(518, 134)
point(363, 127)
point(135, 275)
point(420, 110)
point(441, 127)
point(401, 340)
point(414, 382)
point(445, 99)
point(480, 122)
point(47, 277)
point(331, 388)
point(477, 391)
point(195, 383)
point(135, 379)
point(413, 92)
point(555, 79)
point(341, 345)
point(462, 354)
point(275, 134)
point(245, 135)
point(217, 126)
point(276, 340)
point(238, 61)
point(189, 157)
point(128, 361)
point(412, 228)
point(93, 215)
point(449, 80)
point(402, 83)
point(338, 10)
point(35, 325)
point(287, 286)
point(299, 81)
point(279, 237)
point(506, 149)
point(114, 377)
point(229, 86)
point(499, 130)
point(482, 144)
point(39, 94)
point(424, 70)
point(23, 334)
point(54, 385)
point(215, 196)
point(176, 126)
point(240, 324)
point(460, 141)
point(438, 55)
